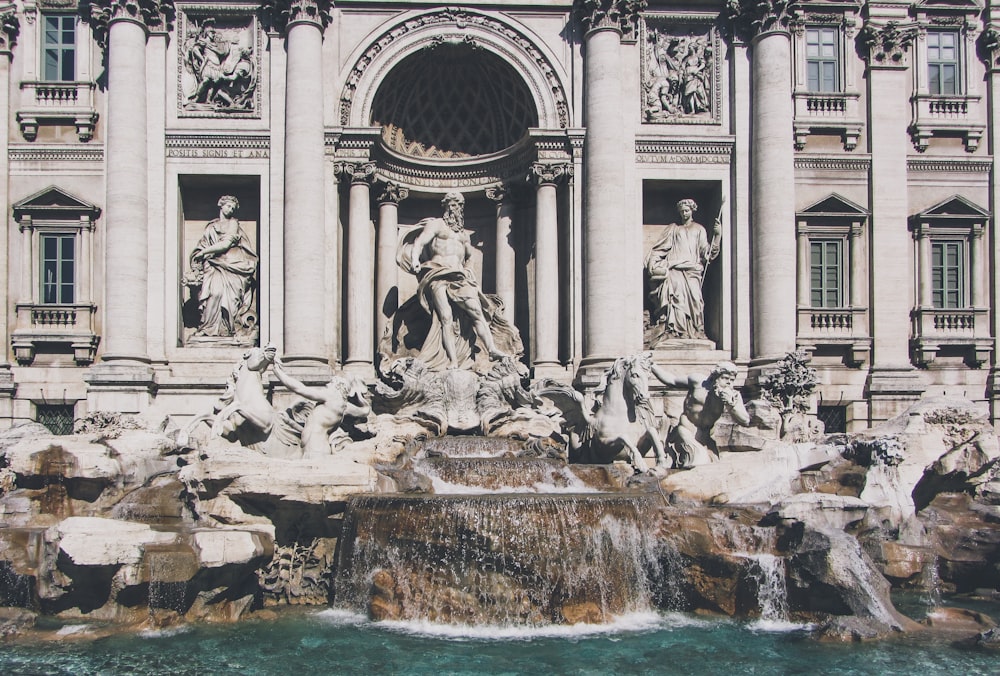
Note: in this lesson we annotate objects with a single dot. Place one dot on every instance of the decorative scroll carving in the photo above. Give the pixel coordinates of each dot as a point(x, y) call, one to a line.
point(282, 13)
point(393, 193)
point(10, 27)
point(542, 173)
point(219, 65)
point(680, 67)
point(989, 47)
point(887, 44)
point(750, 18)
point(149, 13)
point(621, 15)
point(355, 172)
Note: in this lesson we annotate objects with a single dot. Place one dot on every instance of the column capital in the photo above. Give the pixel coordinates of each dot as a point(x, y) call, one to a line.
point(885, 45)
point(989, 48)
point(498, 193)
point(749, 19)
point(284, 13)
point(621, 16)
point(146, 13)
point(355, 172)
point(10, 27)
point(542, 173)
point(393, 193)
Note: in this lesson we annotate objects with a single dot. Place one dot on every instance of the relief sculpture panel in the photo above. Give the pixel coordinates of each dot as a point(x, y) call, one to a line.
point(680, 71)
point(219, 65)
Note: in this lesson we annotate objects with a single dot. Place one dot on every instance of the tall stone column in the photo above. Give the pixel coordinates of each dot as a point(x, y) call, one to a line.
point(612, 256)
point(303, 223)
point(772, 175)
point(124, 381)
point(991, 54)
point(546, 321)
point(386, 277)
point(359, 299)
point(9, 26)
point(893, 382)
point(505, 265)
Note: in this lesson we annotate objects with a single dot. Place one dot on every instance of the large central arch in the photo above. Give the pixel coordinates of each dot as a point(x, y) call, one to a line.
point(405, 36)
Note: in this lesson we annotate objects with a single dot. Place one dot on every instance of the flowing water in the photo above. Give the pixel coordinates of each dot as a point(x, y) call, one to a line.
point(335, 642)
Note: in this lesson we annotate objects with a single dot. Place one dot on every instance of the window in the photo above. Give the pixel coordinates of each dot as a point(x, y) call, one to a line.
point(942, 63)
point(58, 418)
point(821, 59)
point(58, 268)
point(834, 418)
point(59, 47)
point(948, 274)
point(826, 262)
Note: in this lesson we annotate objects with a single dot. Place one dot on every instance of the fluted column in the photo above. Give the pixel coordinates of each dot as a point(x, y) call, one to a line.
point(977, 264)
point(802, 279)
point(546, 324)
point(303, 224)
point(612, 256)
point(772, 175)
point(856, 267)
point(359, 298)
point(386, 278)
point(505, 264)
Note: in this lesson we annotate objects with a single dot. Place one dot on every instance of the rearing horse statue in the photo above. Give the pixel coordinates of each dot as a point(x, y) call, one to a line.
point(622, 420)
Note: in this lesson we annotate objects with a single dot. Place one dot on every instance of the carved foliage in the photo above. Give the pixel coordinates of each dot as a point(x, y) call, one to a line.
point(680, 67)
point(886, 45)
point(393, 193)
point(355, 172)
point(9, 28)
point(621, 15)
point(150, 13)
point(281, 13)
point(989, 47)
point(749, 18)
point(219, 65)
point(542, 173)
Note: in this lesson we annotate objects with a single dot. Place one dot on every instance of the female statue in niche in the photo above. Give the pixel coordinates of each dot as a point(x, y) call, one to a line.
point(675, 272)
point(223, 278)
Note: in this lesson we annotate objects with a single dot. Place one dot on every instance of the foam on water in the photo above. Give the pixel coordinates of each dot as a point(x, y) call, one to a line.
point(167, 632)
point(71, 629)
point(779, 626)
point(629, 623)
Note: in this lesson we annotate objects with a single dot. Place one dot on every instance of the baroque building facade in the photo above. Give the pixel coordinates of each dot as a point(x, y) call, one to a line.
point(704, 180)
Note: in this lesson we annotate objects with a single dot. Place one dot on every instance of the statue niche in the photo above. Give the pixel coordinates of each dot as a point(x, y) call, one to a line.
point(222, 282)
point(219, 66)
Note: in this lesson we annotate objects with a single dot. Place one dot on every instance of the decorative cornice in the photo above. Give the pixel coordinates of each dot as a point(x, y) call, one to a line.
point(205, 145)
point(962, 166)
point(55, 153)
point(542, 173)
point(393, 193)
point(10, 27)
point(886, 45)
point(355, 172)
point(617, 15)
point(833, 162)
point(150, 14)
point(749, 18)
point(280, 14)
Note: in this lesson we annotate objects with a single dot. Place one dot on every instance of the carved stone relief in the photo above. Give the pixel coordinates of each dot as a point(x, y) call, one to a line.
point(218, 64)
point(681, 61)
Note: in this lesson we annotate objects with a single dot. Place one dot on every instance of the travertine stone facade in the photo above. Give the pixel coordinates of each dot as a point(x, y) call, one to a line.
point(848, 152)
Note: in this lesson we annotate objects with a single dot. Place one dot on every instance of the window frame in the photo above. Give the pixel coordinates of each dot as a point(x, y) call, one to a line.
point(60, 49)
point(839, 266)
point(942, 287)
point(60, 285)
point(835, 59)
point(958, 79)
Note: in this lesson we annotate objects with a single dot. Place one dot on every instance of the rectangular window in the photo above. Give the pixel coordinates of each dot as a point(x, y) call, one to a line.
point(821, 59)
point(948, 274)
point(58, 268)
point(942, 63)
point(826, 265)
point(57, 417)
point(59, 47)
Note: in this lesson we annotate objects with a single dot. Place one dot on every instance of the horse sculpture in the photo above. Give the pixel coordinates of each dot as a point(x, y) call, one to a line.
point(622, 419)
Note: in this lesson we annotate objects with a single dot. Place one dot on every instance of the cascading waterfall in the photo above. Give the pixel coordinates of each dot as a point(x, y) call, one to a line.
point(505, 559)
point(768, 572)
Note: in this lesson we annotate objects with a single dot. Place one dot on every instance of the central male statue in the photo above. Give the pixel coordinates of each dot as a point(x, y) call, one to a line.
point(439, 252)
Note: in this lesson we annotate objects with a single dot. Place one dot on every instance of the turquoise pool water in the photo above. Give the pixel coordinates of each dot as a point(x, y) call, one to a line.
point(336, 642)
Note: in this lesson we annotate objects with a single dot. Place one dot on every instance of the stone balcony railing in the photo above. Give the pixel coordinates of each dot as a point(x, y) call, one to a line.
point(966, 329)
point(961, 114)
point(71, 326)
point(53, 102)
point(845, 328)
point(838, 111)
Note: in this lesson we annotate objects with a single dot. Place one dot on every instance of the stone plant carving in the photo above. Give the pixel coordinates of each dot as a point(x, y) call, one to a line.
point(450, 323)
point(621, 420)
point(789, 387)
point(223, 279)
point(311, 429)
point(675, 272)
point(222, 66)
point(298, 574)
point(455, 400)
point(679, 75)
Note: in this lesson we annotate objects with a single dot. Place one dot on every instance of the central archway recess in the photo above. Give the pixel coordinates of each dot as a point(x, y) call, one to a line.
point(453, 101)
